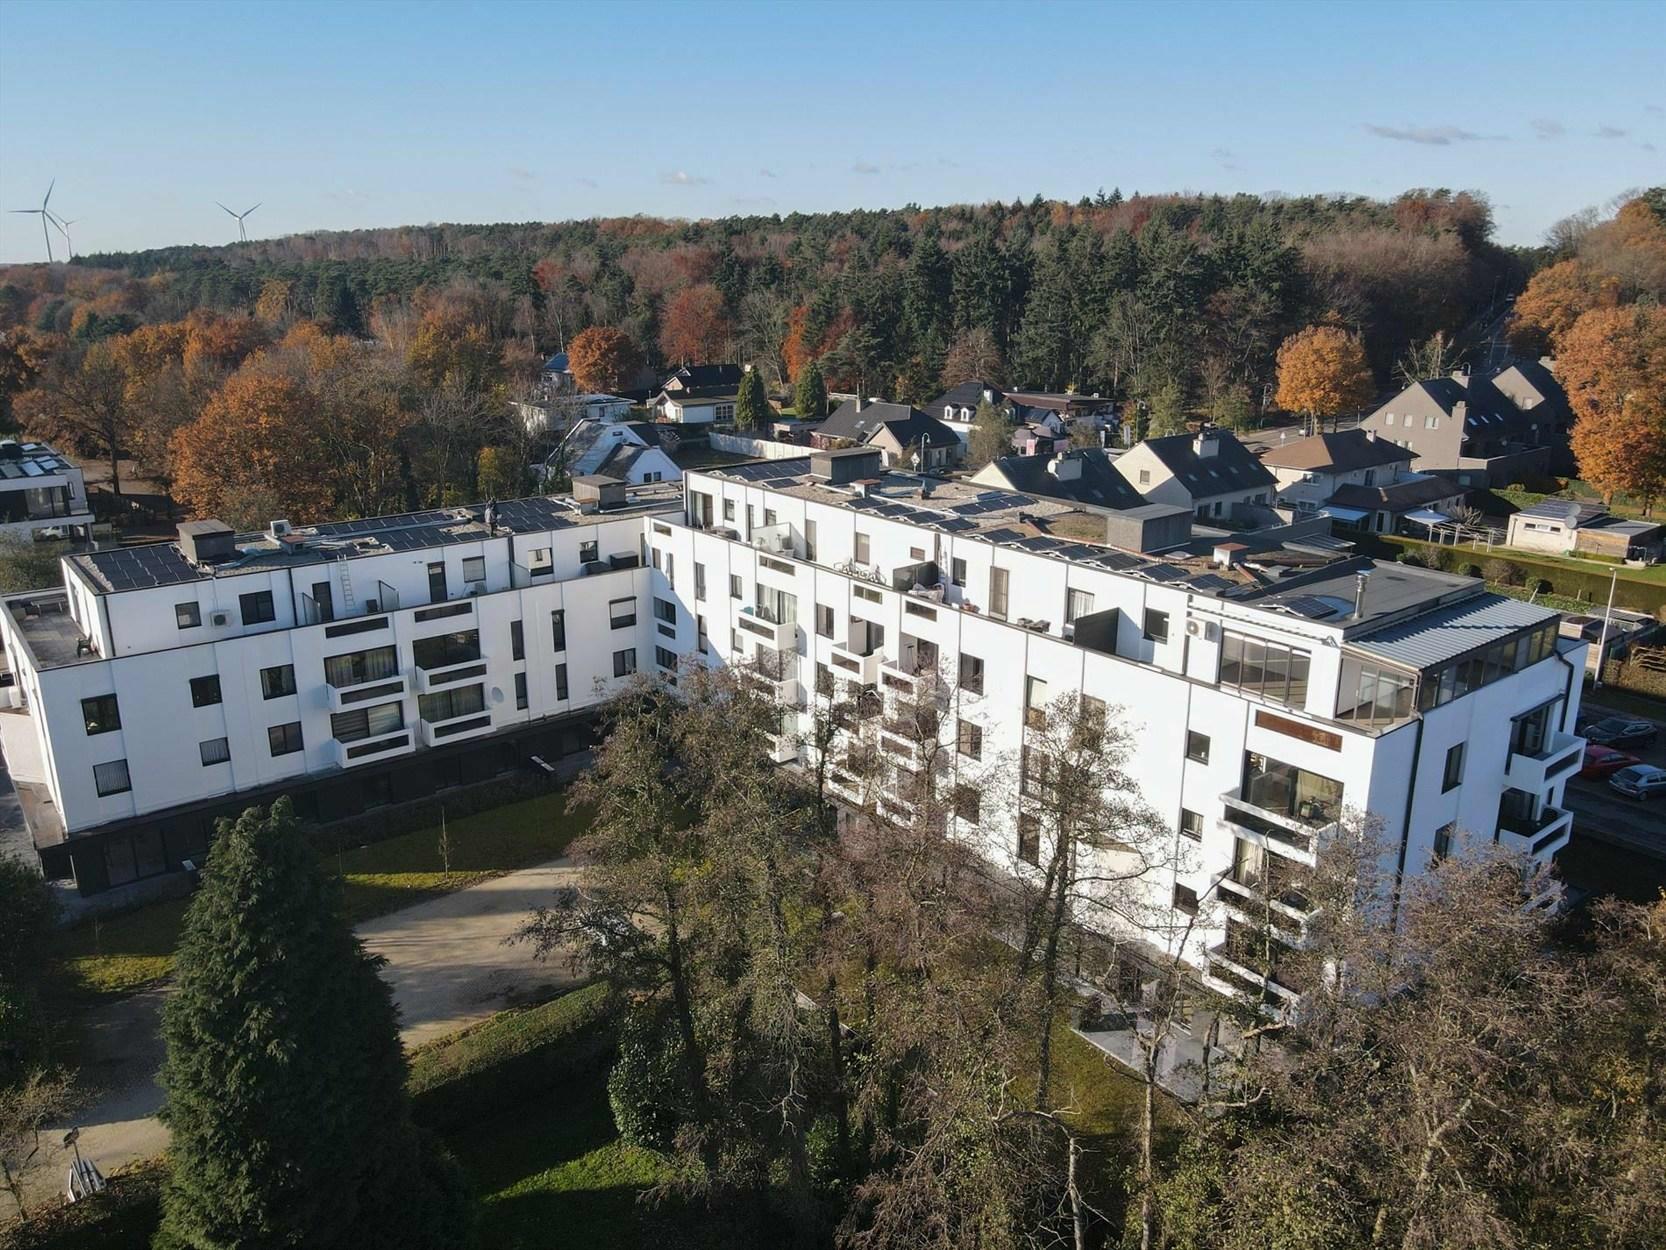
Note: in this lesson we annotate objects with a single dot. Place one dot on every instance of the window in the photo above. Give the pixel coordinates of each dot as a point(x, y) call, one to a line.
point(474, 568)
point(284, 739)
point(277, 681)
point(444, 705)
point(864, 549)
point(188, 615)
point(517, 641)
point(702, 639)
point(665, 610)
point(323, 602)
point(214, 751)
point(1443, 839)
point(699, 580)
point(824, 620)
point(969, 740)
point(256, 609)
point(1388, 418)
point(1191, 824)
point(728, 509)
point(622, 612)
point(560, 681)
point(809, 539)
point(916, 553)
point(358, 667)
point(769, 516)
point(1077, 603)
point(520, 691)
point(588, 552)
point(445, 650)
point(1197, 746)
point(957, 571)
point(966, 803)
point(1454, 771)
point(1035, 702)
point(971, 673)
point(1156, 625)
point(100, 714)
point(558, 629)
point(624, 662)
point(671, 568)
point(1145, 477)
point(653, 556)
point(998, 581)
point(205, 691)
point(824, 681)
point(665, 659)
point(734, 586)
point(437, 591)
point(1268, 669)
point(1286, 790)
point(724, 412)
point(367, 722)
point(111, 778)
point(1029, 838)
point(1185, 899)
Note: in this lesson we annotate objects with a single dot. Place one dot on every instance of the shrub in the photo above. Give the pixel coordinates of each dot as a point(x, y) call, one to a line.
point(1502, 571)
point(501, 1063)
point(1406, 557)
point(1471, 570)
point(1542, 587)
point(646, 1083)
point(121, 1217)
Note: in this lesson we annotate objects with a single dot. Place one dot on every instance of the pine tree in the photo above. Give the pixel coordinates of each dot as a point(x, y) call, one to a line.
point(752, 404)
point(990, 437)
point(811, 396)
point(284, 1075)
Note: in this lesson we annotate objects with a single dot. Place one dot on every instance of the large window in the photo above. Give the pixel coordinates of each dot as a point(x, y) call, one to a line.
point(966, 803)
point(1375, 694)
point(971, 673)
point(100, 714)
point(256, 609)
point(1452, 774)
point(474, 568)
point(1029, 838)
point(367, 722)
point(1290, 791)
point(1035, 702)
point(969, 740)
point(205, 691)
point(1077, 603)
point(450, 704)
point(357, 667)
point(1156, 625)
point(214, 751)
point(111, 778)
point(558, 628)
point(624, 662)
point(188, 615)
point(622, 612)
point(520, 692)
point(1268, 669)
point(284, 739)
point(998, 582)
point(444, 650)
point(1479, 668)
point(560, 681)
point(665, 610)
point(864, 549)
point(277, 681)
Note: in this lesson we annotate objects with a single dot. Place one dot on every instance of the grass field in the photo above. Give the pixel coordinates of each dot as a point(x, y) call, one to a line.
point(120, 954)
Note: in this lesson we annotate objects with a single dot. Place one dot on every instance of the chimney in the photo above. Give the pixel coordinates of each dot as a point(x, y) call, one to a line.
point(1460, 375)
point(1207, 443)
point(861, 403)
point(1370, 436)
point(1359, 593)
point(1460, 412)
point(1065, 467)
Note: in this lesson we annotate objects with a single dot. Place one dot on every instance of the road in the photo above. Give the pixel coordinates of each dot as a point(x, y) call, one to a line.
point(447, 963)
point(1605, 814)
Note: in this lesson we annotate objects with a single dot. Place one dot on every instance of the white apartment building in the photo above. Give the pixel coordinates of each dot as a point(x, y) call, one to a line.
point(1263, 695)
point(39, 489)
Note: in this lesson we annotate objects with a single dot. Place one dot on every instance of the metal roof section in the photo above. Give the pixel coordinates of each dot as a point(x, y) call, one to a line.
point(1432, 638)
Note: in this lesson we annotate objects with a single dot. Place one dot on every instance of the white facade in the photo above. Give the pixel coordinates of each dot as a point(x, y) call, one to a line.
point(39, 489)
point(696, 411)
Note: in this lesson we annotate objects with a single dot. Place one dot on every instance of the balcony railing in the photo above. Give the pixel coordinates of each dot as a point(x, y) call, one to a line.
point(429, 680)
point(1561, 755)
point(390, 686)
point(1535, 835)
point(362, 750)
point(469, 725)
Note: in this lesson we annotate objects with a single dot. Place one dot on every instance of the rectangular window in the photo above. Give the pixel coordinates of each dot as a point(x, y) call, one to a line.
point(702, 639)
point(284, 739)
point(357, 667)
point(824, 681)
point(1029, 838)
point(653, 556)
point(1454, 771)
point(1035, 702)
point(446, 650)
point(444, 705)
point(205, 691)
point(1197, 746)
point(699, 580)
point(1268, 669)
point(735, 591)
point(624, 662)
point(558, 628)
point(1443, 839)
point(1185, 899)
point(474, 568)
point(100, 714)
point(256, 609)
point(971, 673)
point(560, 681)
point(998, 581)
point(863, 548)
point(969, 740)
point(622, 612)
point(1145, 477)
point(188, 615)
point(665, 659)
point(539, 563)
point(665, 610)
point(1077, 603)
point(367, 722)
point(867, 593)
point(517, 641)
point(1156, 626)
point(824, 620)
point(277, 681)
point(214, 751)
point(966, 803)
point(1282, 788)
point(1191, 824)
point(911, 608)
point(588, 552)
point(728, 509)
point(437, 590)
point(809, 539)
point(957, 571)
point(111, 778)
point(520, 691)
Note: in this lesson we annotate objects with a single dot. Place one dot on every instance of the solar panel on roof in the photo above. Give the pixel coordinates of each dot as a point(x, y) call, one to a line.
point(1310, 606)
point(1210, 581)
point(954, 524)
point(967, 509)
point(1116, 560)
point(1004, 535)
point(1163, 573)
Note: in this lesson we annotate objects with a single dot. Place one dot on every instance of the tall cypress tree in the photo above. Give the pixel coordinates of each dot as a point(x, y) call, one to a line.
point(284, 1074)
point(811, 395)
point(752, 404)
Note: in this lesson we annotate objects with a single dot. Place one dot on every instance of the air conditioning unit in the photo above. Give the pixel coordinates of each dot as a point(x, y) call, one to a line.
point(279, 528)
point(1201, 629)
point(219, 618)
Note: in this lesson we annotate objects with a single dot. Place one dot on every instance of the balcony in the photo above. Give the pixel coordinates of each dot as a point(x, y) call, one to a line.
point(1264, 896)
point(428, 680)
point(783, 748)
point(1288, 836)
point(861, 667)
point(757, 625)
point(364, 750)
point(777, 540)
point(444, 732)
point(380, 689)
point(1226, 975)
point(1560, 758)
point(1540, 835)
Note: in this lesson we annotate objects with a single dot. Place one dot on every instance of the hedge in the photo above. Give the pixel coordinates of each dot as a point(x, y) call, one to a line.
point(1515, 567)
point(503, 1062)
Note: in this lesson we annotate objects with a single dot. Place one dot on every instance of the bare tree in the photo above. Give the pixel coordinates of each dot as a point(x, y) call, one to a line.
point(25, 1109)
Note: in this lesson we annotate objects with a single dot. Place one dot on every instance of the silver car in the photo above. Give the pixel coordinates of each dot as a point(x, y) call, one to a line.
point(1640, 781)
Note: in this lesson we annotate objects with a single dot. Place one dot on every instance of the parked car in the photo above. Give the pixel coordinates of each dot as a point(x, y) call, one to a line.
point(1640, 781)
point(1622, 731)
point(1601, 761)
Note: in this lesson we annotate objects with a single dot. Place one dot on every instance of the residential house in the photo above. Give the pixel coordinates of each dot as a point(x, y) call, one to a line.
point(555, 377)
point(40, 489)
point(1359, 479)
point(901, 432)
point(1209, 472)
point(561, 412)
point(1567, 528)
point(1085, 477)
point(694, 379)
point(631, 451)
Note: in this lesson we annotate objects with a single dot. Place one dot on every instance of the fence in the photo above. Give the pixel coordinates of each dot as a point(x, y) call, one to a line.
point(764, 448)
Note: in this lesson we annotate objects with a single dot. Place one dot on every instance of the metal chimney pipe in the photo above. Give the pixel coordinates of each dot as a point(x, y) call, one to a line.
point(1359, 592)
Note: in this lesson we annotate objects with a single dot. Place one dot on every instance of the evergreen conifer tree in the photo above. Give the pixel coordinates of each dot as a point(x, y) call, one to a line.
point(284, 1076)
point(810, 399)
point(752, 404)
point(990, 437)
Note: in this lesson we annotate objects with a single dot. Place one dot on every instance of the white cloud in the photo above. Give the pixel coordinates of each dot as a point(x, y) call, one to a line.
point(1431, 136)
point(682, 178)
point(1610, 132)
point(1548, 128)
point(864, 167)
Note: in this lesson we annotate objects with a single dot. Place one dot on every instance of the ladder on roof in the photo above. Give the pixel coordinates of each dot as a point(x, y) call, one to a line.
point(346, 583)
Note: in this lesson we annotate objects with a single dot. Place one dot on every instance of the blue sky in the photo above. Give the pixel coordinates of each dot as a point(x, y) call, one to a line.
point(348, 115)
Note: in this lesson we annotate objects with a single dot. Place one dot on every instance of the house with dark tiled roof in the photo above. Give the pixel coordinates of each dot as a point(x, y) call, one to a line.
point(901, 432)
point(1084, 476)
point(631, 451)
point(1208, 472)
point(1360, 480)
point(711, 378)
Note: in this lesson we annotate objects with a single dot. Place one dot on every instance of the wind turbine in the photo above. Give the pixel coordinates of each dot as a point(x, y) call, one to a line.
point(45, 216)
point(242, 234)
point(63, 229)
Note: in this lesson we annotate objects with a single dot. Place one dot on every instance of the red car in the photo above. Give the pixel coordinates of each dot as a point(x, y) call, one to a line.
point(1601, 761)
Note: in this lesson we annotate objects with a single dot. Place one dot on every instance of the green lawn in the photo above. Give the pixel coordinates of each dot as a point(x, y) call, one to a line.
point(120, 954)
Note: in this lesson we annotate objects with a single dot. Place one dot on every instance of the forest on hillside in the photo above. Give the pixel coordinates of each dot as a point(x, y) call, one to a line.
point(387, 355)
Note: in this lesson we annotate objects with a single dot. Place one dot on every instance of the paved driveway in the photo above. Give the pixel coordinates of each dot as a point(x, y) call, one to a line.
point(447, 964)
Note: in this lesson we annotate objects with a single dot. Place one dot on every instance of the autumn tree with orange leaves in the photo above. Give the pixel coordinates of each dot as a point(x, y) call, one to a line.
point(603, 359)
point(1612, 363)
point(1323, 370)
point(695, 327)
point(1555, 298)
